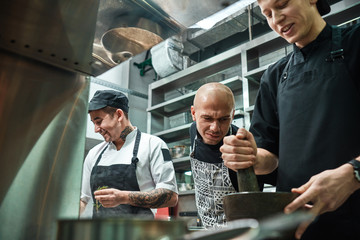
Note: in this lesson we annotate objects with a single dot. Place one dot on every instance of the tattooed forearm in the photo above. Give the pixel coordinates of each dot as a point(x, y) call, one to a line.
point(125, 132)
point(153, 199)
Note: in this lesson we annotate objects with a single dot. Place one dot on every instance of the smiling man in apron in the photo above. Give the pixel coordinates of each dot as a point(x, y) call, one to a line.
point(130, 173)
point(306, 119)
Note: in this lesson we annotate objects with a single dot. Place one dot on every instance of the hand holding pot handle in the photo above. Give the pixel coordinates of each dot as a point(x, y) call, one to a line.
point(246, 177)
point(239, 154)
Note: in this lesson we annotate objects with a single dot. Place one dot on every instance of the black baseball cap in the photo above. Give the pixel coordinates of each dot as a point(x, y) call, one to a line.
point(111, 98)
point(323, 7)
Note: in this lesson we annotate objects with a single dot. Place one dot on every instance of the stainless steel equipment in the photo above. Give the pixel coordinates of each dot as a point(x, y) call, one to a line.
point(143, 229)
point(123, 43)
point(161, 18)
point(251, 203)
point(45, 55)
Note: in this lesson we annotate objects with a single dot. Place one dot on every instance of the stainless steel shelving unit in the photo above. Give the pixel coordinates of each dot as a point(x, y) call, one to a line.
point(244, 85)
point(253, 57)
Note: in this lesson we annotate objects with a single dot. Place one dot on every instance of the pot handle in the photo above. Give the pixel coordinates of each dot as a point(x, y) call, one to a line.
point(247, 180)
point(231, 230)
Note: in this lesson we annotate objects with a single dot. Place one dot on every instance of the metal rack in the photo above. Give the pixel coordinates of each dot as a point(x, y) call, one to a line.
point(252, 58)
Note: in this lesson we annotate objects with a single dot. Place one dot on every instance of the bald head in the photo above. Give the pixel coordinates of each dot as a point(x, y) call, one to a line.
point(214, 91)
point(213, 111)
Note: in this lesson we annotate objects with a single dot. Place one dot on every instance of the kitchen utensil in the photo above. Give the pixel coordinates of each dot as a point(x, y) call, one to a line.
point(182, 186)
point(233, 229)
point(141, 229)
point(125, 42)
point(278, 226)
point(272, 227)
point(178, 151)
point(121, 228)
point(250, 202)
point(145, 229)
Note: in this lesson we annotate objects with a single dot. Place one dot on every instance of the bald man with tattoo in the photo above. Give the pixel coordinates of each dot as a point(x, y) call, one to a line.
point(130, 173)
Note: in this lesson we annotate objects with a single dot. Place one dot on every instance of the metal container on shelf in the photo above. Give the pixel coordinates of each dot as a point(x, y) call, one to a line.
point(180, 119)
point(179, 151)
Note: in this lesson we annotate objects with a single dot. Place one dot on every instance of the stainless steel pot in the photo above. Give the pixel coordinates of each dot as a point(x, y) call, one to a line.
point(144, 229)
point(120, 228)
point(251, 203)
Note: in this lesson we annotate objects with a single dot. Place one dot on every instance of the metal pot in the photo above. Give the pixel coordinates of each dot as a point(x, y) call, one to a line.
point(139, 229)
point(251, 203)
point(144, 229)
point(120, 228)
point(256, 205)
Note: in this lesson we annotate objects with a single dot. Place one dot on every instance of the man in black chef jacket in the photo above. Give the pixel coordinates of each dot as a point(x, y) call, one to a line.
point(306, 120)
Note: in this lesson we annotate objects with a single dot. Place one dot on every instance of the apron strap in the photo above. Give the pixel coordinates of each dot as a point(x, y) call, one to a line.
point(134, 159)
point(98, 159)
point(95, 166)
point(337, 52)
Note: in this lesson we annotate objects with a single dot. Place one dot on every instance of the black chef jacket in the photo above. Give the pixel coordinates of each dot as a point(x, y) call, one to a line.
point(308, 113)
point(213, 156)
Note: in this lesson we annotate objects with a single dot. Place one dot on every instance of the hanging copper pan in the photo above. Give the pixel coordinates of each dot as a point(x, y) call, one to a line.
point(125, 42)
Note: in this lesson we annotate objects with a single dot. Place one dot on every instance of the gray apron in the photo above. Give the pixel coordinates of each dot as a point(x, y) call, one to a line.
point(118, 176)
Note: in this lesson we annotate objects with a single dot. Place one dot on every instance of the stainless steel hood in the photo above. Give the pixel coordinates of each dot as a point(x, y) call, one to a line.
point(45, 57)
point(157, 19)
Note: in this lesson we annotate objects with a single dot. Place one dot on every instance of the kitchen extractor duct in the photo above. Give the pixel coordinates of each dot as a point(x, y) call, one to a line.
point(221, 25)
point(167, 58)
point(159, 18)
point(125, 29)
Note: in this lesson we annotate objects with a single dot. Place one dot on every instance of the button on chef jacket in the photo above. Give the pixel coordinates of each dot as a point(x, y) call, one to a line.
point(308, 113)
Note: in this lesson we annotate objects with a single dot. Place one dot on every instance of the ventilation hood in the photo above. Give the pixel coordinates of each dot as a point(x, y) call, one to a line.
point(126, 28)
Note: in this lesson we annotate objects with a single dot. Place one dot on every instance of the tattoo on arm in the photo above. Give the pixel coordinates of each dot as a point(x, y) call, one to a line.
point(153, 199)
point(125, 132)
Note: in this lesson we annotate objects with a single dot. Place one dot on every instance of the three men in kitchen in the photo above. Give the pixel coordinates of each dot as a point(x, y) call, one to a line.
point(130, 172)
point(306, 120)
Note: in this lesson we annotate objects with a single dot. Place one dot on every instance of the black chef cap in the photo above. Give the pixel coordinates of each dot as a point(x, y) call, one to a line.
point(323, 7)
point(103, 98)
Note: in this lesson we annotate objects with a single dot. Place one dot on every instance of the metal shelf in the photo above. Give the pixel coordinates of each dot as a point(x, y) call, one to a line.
point(187, 192)
point(255, 75)
point(174, 105)
point(239, 112)
point(182, 164)
point(199, 70)
point(178, 104)
point(249, 109)
point(174, 134)
point(181, 132)
point(181, 160)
